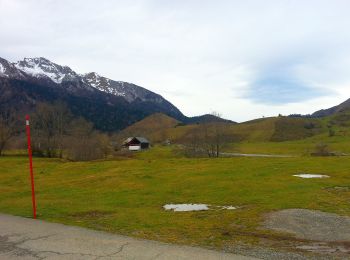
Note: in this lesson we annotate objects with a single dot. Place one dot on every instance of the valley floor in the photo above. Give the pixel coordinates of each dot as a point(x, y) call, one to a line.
point(127, 195)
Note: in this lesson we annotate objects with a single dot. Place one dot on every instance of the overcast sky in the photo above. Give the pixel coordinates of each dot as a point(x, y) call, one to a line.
point(242, 58)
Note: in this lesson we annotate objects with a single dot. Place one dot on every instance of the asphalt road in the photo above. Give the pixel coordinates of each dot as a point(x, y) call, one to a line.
point(22, 238)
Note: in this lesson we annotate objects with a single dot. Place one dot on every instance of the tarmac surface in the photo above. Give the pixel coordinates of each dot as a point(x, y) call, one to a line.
point(24, 238)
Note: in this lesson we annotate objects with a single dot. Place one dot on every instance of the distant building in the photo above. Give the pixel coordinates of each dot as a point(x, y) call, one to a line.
point(136, 143)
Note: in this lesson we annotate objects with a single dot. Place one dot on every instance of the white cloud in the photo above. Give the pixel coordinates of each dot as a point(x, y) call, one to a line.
point(201, 55)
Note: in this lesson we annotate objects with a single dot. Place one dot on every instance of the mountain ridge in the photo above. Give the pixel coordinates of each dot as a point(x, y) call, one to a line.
point(111, 105)
point(42, 68)
point(94, 97)
point(342, 107)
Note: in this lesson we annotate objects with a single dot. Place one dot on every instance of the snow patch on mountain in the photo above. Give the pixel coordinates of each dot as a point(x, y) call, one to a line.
point(2, 69)
point(36, 71)
point(101, 83)
point(44, 73)
point(95, 80)
point(36, 68)
point(8, 70)
point(42, 68)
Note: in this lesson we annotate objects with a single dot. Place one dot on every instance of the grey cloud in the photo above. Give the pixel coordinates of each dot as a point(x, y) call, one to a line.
point(218, 50)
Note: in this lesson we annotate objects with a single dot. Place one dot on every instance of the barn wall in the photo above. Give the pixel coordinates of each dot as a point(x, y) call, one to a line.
point(134, 147)
point(144, 145)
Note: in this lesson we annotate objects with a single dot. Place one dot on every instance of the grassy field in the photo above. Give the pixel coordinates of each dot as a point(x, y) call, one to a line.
point(126, 195)
point(338, 144)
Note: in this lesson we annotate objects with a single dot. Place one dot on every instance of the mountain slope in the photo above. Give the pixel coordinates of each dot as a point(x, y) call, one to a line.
point(110, 105)
point(43, 68)
point(274, 129)
point(9, 70)
point(345, 106)
point(154, 127)
point(207, 118)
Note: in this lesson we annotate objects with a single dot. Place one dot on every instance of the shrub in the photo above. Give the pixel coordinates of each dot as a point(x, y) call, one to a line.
point(321, 149)
point(331, 132)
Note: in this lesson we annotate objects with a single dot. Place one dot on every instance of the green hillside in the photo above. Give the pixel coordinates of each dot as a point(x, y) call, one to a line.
point(275, 135)
point(154, 127)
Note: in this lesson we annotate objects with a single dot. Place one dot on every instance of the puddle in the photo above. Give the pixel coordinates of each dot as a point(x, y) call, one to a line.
point(310, 176)
point(195, 207)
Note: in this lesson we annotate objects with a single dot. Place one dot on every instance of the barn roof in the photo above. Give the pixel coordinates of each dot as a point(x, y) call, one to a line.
point(128, 140)
point(142, 139)
point(139, 138)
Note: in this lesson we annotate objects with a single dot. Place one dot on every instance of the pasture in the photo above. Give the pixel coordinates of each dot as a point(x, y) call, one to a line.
point(126, 195)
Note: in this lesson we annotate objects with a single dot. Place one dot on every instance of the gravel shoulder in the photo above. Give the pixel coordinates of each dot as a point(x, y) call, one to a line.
point(326, 234)
point(310, 224)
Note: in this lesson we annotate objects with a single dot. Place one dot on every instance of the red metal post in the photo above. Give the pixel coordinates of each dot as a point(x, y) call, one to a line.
point(31, 165)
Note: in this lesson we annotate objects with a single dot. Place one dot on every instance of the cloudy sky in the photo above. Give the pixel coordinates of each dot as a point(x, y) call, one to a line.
point(242, 58)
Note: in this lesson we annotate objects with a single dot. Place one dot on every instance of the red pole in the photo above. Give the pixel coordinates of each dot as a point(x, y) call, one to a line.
point(31, 165)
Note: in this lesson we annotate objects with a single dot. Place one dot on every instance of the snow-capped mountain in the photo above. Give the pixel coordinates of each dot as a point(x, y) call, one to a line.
point(127, 90)
point(102, 84)
point(42, 68)
point(9, 70)
point(109, 104)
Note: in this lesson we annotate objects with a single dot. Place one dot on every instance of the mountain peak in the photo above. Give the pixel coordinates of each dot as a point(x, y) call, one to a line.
point(42, 67)
point(44, 70)
point(8, 70)
point(37, 60)
point(92, 74)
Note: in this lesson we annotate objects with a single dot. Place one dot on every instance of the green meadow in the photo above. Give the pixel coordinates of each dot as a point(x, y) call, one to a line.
point(126, 195)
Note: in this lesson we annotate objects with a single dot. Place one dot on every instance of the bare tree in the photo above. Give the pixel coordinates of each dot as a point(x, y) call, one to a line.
point(7, 128)
point(193, 143)
point(321, 149)
point(104, 144)
point(50, 124)
point(208, 138)
point(215, 135)
point(84, 143)
point(79, 146)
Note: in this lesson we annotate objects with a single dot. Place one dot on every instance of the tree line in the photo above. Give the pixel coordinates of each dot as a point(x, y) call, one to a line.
point(56, 133)
point(207, 139)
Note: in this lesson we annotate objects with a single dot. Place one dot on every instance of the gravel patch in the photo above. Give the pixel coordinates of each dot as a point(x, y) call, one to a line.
point(324, 248)
point(276, 254)
point(310, 224)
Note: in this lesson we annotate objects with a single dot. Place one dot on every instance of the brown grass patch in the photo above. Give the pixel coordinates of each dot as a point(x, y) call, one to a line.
point(94, 214)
